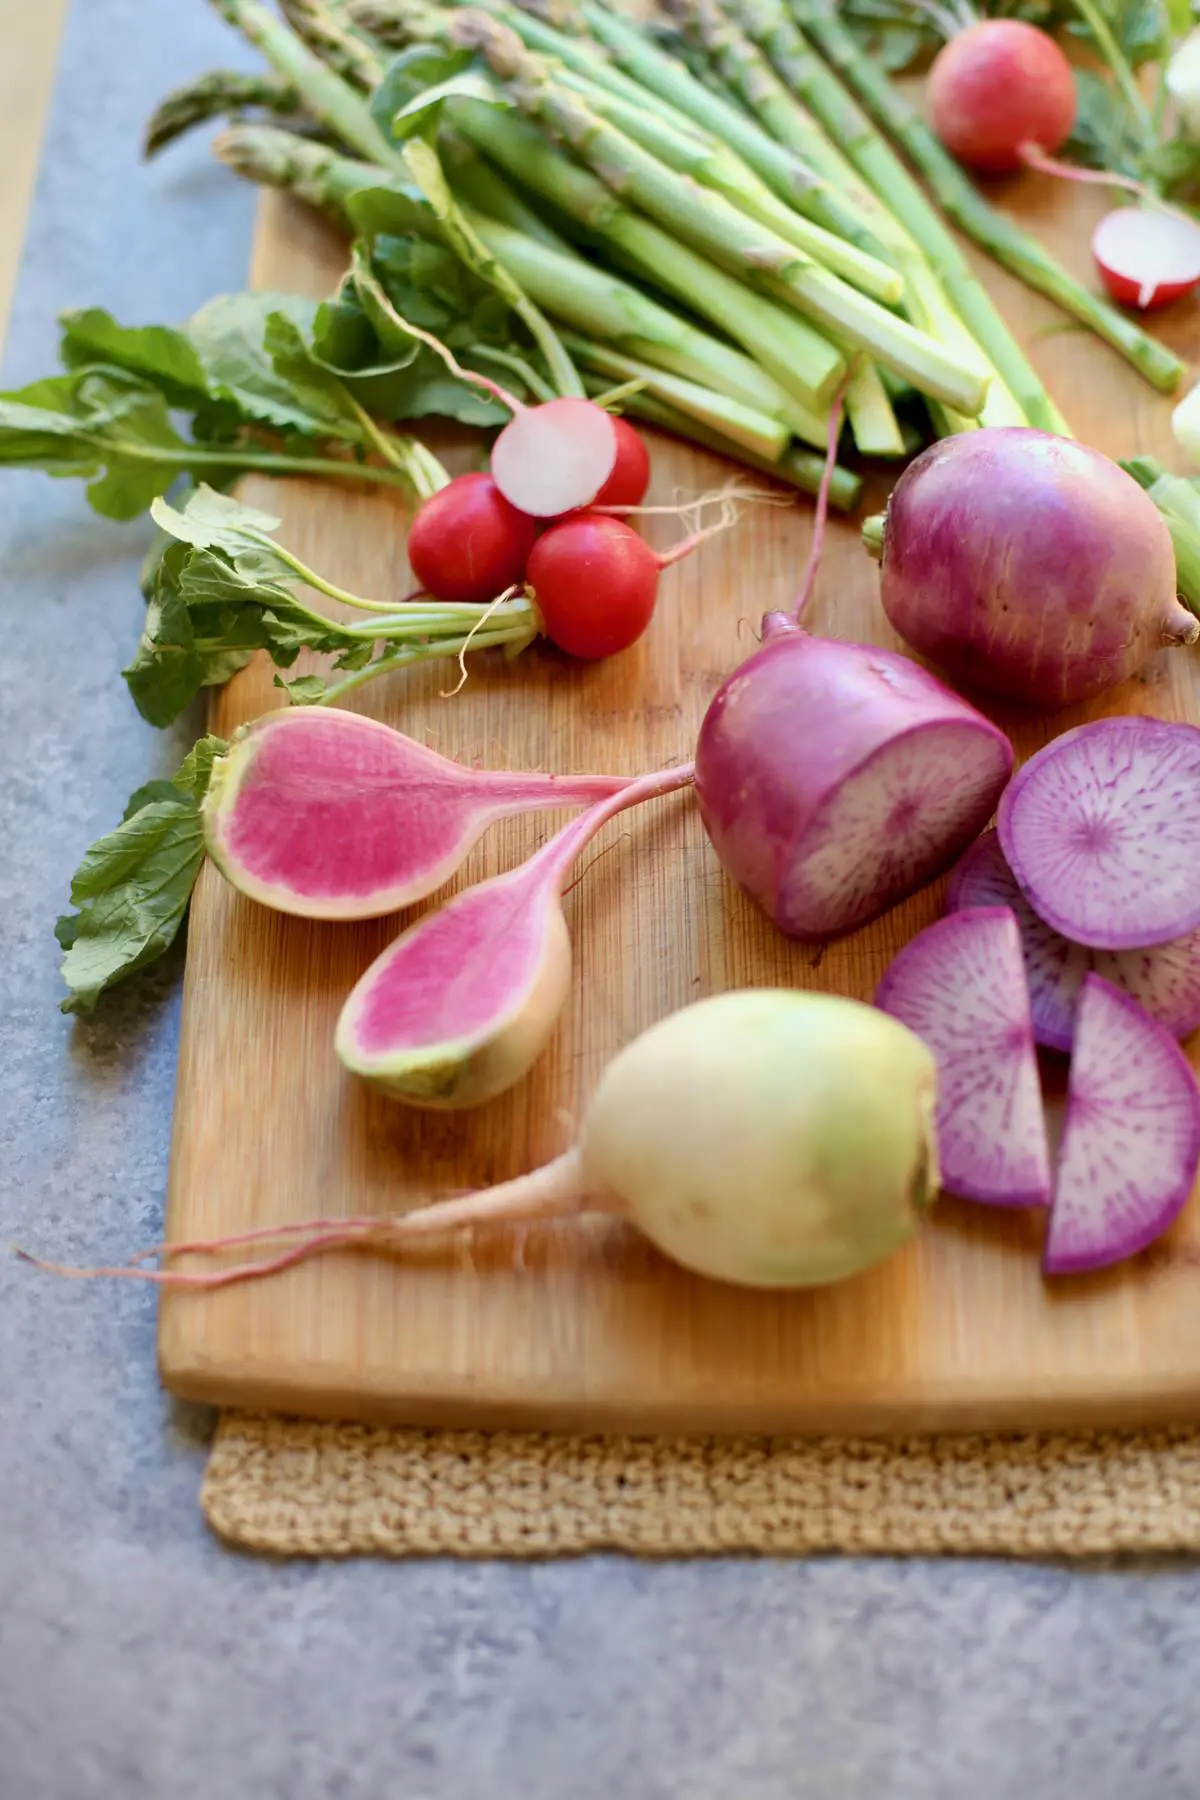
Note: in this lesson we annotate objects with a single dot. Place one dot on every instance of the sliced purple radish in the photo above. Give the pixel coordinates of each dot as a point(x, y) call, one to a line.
point(1131, 1142)
point(1102, 831)
point(460, 1007)
point(960, 986)
point(330, 815)
point(553, 458)
point(1148, 258)
point(1165, 980)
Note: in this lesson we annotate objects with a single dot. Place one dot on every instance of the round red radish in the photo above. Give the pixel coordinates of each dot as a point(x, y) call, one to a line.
point(836, 779)
point(960, 985)
point(1147, 258)
point(1165, 980)
point(630, 478)
point(594, 581)
point(467, 543)
point(1102, 831)
point(997, 86)
point(555, 458)
point(1131, 1140)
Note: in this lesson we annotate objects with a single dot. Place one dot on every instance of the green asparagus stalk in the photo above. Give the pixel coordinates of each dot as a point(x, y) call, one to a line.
point(341, 49)
point(313, 172)
point(873, 422)
point(750, 430)
point(1179, 503)
point(975, 215)
point(485, 192)
point(714, 226)
point(222, 93)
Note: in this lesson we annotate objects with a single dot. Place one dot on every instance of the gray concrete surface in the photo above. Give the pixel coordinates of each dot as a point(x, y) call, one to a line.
point(138, 1661)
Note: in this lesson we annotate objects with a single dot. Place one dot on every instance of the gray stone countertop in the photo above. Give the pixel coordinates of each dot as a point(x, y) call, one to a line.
point(138, 1660)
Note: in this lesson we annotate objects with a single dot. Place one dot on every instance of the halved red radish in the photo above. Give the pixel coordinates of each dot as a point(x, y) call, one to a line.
point(960, 986)
point(1102, 831)
point(1131, 1142)
point(554, 458)
point(1164, 979)
point(1148, 258)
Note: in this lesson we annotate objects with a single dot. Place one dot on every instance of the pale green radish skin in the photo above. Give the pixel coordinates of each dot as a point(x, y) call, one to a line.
point(769, 1137)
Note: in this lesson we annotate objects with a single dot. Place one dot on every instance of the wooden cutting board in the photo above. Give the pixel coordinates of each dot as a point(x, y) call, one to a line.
point(584, 1326)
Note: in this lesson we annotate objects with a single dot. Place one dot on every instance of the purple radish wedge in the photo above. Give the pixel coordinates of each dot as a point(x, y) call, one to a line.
point(1131, 1141)
point(460, 1007)
point(1102, 831)
point(1165, 980)
point(960, 985)
point(330, 815)
point(767, 1137)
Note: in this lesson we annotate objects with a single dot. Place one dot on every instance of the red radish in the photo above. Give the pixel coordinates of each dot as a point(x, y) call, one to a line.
point(595, 582)
point(330, 815)
point(553, 458)
point(997, 86)
point(467, 543)
point(1102, 831)
point(1148, 258)
point(1029, 565)
point(1166, 980)
point(769, 1138)
point(460, 1007)
point(960, 985)
point(1131, 1141)
point(627, 484)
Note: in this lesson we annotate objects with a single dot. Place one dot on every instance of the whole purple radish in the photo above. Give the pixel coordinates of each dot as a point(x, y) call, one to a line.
point(960, 985)
point(1102, 831)
point(1131, 1142)
point(330, 815)
point(1165, 980)
point(1029, 565)
point(460, 1007)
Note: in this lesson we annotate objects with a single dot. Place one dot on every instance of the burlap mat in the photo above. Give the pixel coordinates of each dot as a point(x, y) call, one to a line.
point(297, 1488)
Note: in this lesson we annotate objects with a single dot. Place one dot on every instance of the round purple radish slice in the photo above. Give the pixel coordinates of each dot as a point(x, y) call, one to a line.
point(960, 986)
point(1165, 980)
point(1131, 1141)
point(1102, 831)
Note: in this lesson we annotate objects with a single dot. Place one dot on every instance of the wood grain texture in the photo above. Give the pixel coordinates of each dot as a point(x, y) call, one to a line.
point(585, 1326)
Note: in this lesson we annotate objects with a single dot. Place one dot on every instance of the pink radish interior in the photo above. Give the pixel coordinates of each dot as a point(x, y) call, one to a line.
point(891, 826)
point(550, 459)
point(960, 985)
point(1132, 1136)
point(1150, 249)
point(1102, 830)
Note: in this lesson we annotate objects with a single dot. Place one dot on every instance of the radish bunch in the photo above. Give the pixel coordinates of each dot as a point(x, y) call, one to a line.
point(1076, 925)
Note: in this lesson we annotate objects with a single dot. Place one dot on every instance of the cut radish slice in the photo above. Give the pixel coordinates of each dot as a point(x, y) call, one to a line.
point(1147, 258)
point(1131, 1143)
point(1165, 980)
point(1102, 831)
point(550, 459)
point(960, 985)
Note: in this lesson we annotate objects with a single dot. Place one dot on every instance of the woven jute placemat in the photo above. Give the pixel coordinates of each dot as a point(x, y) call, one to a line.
point(299, 1488)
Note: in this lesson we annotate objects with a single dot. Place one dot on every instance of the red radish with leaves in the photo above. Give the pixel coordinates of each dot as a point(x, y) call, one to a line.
point(1131, 1141)
point(960, 986)
point(1165, 980)
point(996, 89)
point(459, 1008)
point(1026, 564)
point(330, 815)
point(467, 543)
point(1102, 832)
point(630, 478)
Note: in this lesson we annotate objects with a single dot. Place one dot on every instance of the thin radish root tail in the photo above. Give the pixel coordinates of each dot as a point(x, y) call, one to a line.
point(729, 515)
point(510, 593)
point(822, 509)
point(732, 489)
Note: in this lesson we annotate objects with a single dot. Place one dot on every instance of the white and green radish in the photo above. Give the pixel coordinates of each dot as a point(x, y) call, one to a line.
point(460, 1007)
point(1131, 1141)
point(769, 1138)
point(327, 814)
point(960, 985)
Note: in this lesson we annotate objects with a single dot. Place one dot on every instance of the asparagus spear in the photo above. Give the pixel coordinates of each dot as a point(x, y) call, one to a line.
point(313, 172)
point(219, 94)
point(750, 430)
point(1179, 503)
point(975, 215)
point(341, 49)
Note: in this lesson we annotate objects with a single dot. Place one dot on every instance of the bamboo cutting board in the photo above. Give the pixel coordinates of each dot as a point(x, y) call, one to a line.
point(584, 1326)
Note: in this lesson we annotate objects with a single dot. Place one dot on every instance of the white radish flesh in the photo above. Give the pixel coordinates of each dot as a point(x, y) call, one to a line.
point(1131, 1142)
point(1147, 258)
point(551, 459)
point(960, 985)
point(1102, 831)
point(1165, 980)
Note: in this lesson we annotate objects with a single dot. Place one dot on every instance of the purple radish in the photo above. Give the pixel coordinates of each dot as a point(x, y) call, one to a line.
point(463, 1003)
point(330, 815)
point(1102, 831)
point(1165, 980)
point(960, 985)
point(1131, 1142)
